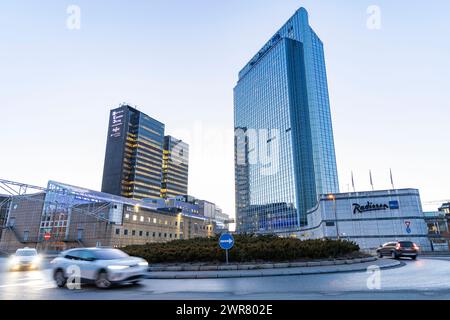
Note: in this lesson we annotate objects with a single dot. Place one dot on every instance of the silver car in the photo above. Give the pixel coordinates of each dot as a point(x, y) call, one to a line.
point(104, 267)
point(25, 259)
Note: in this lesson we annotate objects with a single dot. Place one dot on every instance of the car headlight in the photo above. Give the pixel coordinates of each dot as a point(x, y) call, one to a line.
point(143, 263)
point(13, 260)
point(117, 267)
point(37, 259)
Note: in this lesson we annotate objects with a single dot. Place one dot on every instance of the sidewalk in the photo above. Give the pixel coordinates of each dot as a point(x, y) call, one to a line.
point(320, 269)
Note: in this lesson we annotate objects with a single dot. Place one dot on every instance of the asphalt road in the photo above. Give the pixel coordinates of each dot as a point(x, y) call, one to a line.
point(426, 278)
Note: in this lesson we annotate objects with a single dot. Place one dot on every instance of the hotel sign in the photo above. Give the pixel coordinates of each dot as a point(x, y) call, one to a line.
point(116, 123)
point(369, 206)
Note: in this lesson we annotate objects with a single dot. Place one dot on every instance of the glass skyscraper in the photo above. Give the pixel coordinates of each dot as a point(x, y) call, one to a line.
point(284, 148)
point(134, 155)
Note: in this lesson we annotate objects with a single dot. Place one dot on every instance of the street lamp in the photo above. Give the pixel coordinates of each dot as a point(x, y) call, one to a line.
point(333, 197)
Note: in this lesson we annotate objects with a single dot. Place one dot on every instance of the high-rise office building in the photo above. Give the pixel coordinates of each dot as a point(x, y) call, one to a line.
point(284, 146)
point(175, 168)
point(134, 153)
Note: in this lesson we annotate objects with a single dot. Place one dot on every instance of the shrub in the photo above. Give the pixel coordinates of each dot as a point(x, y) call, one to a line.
point(247, 248)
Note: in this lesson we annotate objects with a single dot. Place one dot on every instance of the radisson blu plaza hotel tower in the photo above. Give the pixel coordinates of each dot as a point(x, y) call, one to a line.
point(284, 148)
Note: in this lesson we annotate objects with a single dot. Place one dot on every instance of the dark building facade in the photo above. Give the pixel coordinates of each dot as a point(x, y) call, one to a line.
point(134, 153)
point(175, 168)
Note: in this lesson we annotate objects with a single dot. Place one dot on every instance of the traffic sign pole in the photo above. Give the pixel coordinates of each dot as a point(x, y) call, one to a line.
point(226, 242)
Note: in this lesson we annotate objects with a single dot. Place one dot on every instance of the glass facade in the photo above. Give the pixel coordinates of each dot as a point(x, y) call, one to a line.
point(175, 168)
point(134, 153)
point(284, 147)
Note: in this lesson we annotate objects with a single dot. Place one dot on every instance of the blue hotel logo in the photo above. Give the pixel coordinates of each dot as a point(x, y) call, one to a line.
point(393, 204)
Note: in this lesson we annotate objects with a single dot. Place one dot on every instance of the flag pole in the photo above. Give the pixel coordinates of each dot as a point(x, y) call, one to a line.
point(392, 179)
point(371, 181)
point(353, 183)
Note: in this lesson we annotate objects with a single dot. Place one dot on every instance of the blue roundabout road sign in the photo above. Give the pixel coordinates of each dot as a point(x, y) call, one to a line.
point(226, 241)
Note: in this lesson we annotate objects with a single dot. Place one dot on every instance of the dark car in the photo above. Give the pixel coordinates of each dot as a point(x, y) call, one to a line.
point(399, 249)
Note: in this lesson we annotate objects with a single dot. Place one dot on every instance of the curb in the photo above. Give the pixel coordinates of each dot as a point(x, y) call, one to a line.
point(280, 271)
point(259, 266)
point(261, 273)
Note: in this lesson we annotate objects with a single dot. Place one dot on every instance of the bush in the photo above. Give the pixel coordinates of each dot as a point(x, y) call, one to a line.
point(247, 248)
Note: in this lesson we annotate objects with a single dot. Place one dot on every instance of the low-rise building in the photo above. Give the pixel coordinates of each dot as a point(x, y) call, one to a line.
point(71, 216)
point(438, 230)
point(191, 205)
point(369, 218)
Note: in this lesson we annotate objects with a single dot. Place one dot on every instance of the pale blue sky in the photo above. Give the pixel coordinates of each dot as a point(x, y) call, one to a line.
point(178, 61)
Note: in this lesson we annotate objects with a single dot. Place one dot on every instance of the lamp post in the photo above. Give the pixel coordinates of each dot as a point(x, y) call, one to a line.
point(333, 197)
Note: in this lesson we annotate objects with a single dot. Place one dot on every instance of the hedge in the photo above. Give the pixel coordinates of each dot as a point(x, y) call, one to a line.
point(247, 248)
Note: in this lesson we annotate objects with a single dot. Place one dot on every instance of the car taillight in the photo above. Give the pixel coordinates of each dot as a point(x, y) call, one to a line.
point(398, 246)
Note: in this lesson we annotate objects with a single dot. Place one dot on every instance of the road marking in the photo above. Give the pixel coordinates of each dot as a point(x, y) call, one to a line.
point(32, 284)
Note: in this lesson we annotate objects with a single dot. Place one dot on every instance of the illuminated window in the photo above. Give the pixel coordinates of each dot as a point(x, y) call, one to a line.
point(142, 219)
point(127, 216)
point(134, 217)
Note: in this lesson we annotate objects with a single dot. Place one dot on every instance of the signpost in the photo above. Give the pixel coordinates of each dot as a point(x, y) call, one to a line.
point(47, 236)
point(408, 226)
point(226, 242)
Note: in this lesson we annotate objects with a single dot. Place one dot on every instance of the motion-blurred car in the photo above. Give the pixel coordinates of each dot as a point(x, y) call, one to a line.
point(101, 266)
point(398, 249)
point(25, 259)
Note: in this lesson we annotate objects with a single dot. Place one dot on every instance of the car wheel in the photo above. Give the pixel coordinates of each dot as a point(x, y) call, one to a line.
point(379, 254)
point(394, 255)
point(102, 281)
point(60, 279)
point(414, 257)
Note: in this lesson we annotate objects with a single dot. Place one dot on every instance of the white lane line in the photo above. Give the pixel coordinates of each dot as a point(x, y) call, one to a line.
point(31, 284)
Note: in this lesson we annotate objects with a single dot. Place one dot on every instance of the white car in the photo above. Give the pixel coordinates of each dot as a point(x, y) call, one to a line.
point(101, 266)
point(26, 258)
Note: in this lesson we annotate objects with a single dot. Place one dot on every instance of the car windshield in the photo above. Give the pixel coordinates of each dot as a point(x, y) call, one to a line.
point(26, 253)
point(110, 254)
point(406, 244)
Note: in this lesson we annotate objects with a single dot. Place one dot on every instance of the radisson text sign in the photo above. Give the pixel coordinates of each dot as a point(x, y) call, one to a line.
point(369, 206)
